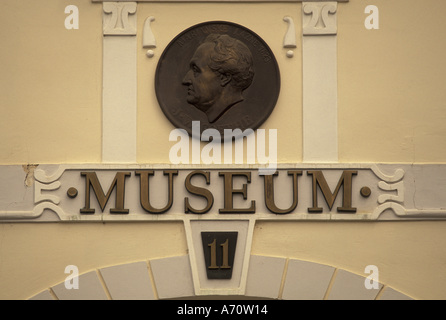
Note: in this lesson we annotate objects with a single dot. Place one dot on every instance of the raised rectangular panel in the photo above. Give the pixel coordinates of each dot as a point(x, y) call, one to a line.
point(173, 277)
point(89, 288)
point(350, 286)
point(320, 96)
point(119, 82)
point(265, 276)
point(129, 281)
point(306, 280)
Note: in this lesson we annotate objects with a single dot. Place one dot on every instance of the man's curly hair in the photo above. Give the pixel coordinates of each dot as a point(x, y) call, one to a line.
point(233, 57)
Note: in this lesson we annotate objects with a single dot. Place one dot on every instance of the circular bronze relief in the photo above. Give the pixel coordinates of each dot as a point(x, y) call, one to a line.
point(220, 74)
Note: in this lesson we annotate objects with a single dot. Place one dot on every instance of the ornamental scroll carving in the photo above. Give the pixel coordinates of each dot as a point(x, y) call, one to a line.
point(119, 18)
point(319, 18)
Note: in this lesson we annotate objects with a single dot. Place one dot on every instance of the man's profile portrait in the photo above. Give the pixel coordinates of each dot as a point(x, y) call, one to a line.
point(219, 71)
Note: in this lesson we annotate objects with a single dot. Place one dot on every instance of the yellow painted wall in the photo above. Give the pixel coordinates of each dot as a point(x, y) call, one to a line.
point(390, 110)
point(391, 95)
point(50, 83)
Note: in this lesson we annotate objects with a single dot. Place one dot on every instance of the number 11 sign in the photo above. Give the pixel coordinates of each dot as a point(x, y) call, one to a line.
point(219, 251)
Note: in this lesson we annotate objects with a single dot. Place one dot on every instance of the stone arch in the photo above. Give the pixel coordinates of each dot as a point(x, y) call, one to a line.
point(268, 277)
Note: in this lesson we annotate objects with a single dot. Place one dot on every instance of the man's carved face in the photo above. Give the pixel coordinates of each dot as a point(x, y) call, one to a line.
point(204, 85)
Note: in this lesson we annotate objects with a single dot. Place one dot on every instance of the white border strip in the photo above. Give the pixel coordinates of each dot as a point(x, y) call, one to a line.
point(119, 97)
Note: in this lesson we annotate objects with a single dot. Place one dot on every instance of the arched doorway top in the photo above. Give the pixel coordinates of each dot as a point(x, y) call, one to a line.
point(268, 278)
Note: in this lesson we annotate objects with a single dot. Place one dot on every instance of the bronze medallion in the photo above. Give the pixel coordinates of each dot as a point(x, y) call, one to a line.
point(220, 74)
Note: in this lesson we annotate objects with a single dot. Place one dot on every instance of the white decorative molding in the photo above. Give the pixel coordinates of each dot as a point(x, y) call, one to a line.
point(398, 187)
point(119, 93)
point(42, 200)
point(289, 40)
point(119, 18)
point(32, 214)
point(39, 187)
point(397, 176)
point(320, 82)
point(390, 183)
point(396, 201)
point(319, 18)
point(62, 190)
point(41, 175)
point(402, 212)
point(148, 38)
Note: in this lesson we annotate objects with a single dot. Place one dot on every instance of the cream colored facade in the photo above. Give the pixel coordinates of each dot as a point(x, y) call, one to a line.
point(390, 109)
